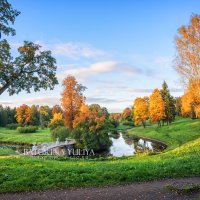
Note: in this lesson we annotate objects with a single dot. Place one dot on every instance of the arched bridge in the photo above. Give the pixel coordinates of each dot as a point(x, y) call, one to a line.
point(46, 148)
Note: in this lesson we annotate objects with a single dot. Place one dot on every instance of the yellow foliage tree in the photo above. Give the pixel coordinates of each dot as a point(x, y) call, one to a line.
point(141, 110)
point(156, 107)
point(56, 121)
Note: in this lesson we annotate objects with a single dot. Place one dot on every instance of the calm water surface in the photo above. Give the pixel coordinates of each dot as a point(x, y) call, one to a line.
point(122, 145)
point(125, 145)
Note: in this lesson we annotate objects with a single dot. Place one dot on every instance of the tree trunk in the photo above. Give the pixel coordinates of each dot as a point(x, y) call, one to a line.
point(4, 88)
point(143, 123)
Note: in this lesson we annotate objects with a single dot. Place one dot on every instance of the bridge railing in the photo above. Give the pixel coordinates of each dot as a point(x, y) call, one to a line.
point(45, 147)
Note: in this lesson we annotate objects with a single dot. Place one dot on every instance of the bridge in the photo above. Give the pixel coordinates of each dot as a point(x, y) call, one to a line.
point(48, 147)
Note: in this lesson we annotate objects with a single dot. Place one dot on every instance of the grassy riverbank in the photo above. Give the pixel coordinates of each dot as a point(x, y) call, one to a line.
point(179, 132)
point(6, 151)
point(41, 136)
point(28, 173)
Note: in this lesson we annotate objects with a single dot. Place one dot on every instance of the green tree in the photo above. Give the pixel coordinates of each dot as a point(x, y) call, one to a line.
point(8, 15)
point(3, 116)
point(169, 104)
point(45, 116)
point(35, 115)
point(11, 115)
point(32, 69)
point(105, 112)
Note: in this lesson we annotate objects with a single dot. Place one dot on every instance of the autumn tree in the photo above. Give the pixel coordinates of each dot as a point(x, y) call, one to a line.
point(141, 110)
point(56, 109)
point(72, 99)
point(188, 105)
point(23, 114)
point(156, 107)
point(115, 116)
point(178, 106)
point(56, 121)
point(91, 128)
point(188, 58)
point(127, 114)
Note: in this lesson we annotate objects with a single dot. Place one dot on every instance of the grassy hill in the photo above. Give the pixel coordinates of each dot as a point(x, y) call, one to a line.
point(179, 132)
point(181, 159)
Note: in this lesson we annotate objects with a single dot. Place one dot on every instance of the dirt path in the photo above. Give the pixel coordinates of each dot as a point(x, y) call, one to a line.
point(154, 190)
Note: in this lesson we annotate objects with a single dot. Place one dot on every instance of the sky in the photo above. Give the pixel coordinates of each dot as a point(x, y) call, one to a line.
point(118, 49)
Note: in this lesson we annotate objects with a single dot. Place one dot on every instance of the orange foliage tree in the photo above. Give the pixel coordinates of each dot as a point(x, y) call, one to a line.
point(115, 116)
point(127, 114)
point(141, 110)
point(188, 59)
point(156, 107)
point(188, 108)
point(23, 114)
point(72, 99)
point(92, 115)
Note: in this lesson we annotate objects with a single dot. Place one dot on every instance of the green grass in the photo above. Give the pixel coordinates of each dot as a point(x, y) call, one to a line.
point(28, 173)
point(174, 135)
point(6, 151)
point(121, 127)
point(41, 136)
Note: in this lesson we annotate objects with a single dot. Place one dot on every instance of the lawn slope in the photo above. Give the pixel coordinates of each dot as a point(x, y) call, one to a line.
point(174, 135)
point(41, 136)
point(28, 173)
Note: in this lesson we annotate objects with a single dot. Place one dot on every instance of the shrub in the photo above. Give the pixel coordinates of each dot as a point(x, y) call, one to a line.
point(115, 123)
point(97, 141)
point(13, 126)
point(27, 129)
point(128, 123)
point(60, 132)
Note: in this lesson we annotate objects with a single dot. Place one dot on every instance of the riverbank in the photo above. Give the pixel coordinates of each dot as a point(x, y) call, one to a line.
point(178, 133)
point(13, 137)
point(29, 173)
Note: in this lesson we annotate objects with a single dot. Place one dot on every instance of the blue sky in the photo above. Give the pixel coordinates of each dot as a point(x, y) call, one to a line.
point(119, 49)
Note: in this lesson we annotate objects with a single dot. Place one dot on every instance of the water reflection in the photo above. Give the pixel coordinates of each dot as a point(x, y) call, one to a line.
point(125, 145)
point(122, 145)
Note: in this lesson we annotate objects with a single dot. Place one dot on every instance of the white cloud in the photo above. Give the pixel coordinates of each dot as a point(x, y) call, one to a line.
point(75, 50)
point(93, 69)
point(101, 67)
